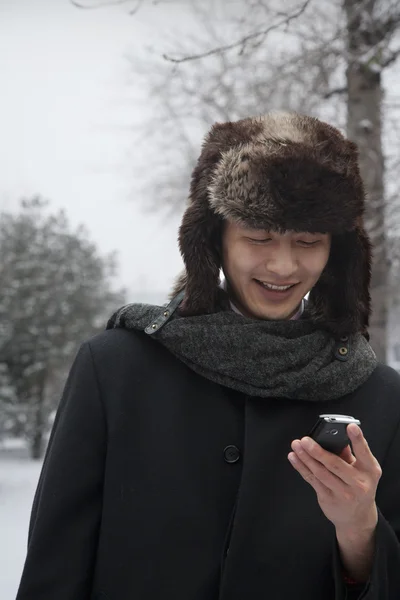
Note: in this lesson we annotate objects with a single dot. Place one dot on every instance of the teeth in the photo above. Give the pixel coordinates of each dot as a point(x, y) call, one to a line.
point(279, 288)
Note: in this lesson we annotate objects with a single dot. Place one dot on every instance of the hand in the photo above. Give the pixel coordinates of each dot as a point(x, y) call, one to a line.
point(345, 485)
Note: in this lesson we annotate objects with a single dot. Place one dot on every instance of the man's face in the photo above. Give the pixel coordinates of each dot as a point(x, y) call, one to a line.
point(254, 260)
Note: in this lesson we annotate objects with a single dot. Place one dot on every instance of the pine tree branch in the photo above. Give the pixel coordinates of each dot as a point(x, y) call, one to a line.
point(243, 41)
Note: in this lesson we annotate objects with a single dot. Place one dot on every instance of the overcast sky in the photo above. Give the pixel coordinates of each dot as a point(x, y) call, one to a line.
point(67, 114)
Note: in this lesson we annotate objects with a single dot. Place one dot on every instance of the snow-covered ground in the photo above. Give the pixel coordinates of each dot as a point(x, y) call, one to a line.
point(18, 480)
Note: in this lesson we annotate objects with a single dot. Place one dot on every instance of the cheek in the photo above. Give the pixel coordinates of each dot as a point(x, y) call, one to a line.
point(315, 266)
point(239, 263)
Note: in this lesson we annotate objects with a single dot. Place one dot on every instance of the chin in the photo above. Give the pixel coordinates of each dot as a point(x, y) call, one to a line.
point(274, 315)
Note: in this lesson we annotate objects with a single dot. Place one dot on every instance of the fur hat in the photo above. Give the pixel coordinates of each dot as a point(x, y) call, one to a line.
point(280, 172)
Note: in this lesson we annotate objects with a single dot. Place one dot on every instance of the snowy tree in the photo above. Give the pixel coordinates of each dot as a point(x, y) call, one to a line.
point(56, 291)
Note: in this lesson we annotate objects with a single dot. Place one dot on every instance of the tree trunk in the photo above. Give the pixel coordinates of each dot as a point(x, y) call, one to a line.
point(38, 421)
point(364, 127)
point(37, 445)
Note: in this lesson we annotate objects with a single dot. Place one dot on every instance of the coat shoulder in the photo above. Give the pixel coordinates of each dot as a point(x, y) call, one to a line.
point(114, 338)
point(383, 389)
point(387, 377)
point(129, 353)
point(114, 346)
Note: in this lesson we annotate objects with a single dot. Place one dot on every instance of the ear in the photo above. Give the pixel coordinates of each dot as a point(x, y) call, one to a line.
point(199, 242)
point(341, 300)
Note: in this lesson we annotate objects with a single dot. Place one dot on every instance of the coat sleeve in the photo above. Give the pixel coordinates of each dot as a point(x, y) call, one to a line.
point(384, 583)
point(66, 511)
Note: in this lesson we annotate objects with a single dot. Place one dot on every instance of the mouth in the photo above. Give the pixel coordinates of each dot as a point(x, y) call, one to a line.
point(275, 288)
point(273, 292)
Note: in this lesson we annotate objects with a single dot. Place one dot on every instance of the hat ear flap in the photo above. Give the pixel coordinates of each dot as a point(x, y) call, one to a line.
point(200, 246)
point(340, 301)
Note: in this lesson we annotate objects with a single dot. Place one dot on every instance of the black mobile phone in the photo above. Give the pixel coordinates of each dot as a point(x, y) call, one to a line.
point(330, 432)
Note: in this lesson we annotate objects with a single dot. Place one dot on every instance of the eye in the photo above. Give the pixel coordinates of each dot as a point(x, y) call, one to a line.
point(259, 241)
point(307, 244)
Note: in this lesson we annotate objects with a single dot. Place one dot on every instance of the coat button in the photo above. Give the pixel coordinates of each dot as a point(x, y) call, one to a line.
point(231, 454)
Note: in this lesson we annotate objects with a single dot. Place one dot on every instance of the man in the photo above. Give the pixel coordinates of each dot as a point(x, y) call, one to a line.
point(179, 465)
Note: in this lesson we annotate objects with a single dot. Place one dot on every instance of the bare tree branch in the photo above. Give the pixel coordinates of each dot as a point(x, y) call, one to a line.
point(335, 92)
point(107, 3)
point(243, 41)
point(393, 56)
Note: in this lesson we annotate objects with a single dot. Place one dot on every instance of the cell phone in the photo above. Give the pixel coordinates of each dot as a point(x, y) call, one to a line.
point(330, 432)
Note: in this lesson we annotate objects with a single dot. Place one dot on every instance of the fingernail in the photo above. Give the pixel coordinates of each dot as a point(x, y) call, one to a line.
point(355, 430)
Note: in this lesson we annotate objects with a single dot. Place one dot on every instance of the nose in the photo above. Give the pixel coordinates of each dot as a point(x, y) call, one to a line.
point(282, 263)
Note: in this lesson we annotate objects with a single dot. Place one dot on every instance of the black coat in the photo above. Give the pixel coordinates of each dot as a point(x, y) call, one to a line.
point(161, 485)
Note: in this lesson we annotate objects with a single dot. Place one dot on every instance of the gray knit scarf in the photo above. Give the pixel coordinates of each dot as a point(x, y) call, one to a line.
point(279, 359)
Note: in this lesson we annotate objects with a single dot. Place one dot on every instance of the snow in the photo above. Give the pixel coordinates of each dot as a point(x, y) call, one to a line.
point(12, 444)
point(366, 124)
point(18, 480)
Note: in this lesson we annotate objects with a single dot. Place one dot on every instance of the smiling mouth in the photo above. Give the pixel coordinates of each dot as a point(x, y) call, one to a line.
point(276, 288)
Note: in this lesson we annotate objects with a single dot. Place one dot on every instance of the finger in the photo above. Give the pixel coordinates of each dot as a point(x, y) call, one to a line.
point(333, 463)
point(347, 455)
point(321, 490)
point(329, 478)
point(365, 460)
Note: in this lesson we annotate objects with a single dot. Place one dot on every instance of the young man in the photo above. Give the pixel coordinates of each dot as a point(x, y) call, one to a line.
point(179, 466)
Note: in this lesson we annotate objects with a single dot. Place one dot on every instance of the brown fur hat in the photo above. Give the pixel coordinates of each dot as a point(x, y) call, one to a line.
point(281, 172)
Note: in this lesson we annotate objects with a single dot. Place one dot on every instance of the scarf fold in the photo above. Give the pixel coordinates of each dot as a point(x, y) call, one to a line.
point(270, 359)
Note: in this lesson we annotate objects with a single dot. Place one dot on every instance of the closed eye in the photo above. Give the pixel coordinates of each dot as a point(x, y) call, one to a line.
point(307, 244)
point(258, 241)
